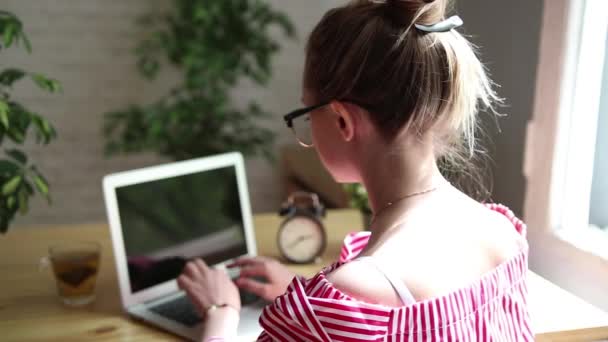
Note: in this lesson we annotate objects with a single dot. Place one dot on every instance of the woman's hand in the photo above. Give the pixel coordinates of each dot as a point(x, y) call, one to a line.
point(277, 277)
point(207, 286)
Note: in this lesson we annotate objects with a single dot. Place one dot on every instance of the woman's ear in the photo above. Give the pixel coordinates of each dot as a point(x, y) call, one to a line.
point(345, 120)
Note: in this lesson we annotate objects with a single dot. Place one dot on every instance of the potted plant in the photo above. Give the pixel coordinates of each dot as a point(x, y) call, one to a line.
point(214, 45)
point(19, 177)
point(359, 200)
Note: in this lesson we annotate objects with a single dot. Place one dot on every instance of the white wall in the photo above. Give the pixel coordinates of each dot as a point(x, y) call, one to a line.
point(87, 45)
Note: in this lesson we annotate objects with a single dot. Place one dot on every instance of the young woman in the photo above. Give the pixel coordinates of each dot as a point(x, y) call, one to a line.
point(392, 91)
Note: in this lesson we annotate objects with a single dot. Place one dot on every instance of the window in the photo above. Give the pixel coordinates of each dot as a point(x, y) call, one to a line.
point(566, 162)
point(598, 213)
point(578, 129)
point(593, 237)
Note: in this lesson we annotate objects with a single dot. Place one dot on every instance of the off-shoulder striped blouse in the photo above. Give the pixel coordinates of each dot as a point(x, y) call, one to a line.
point(491, 309)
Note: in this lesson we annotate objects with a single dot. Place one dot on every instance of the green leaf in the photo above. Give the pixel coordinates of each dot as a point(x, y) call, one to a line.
point(46, 83)
point(45, 132)
point(10, 202)
point(17, 136)
point(201, 13)
point(40, 80)
point(9, 76)
point(26, 42)
point(10, 186)
point(8, 167)
point(17, 155)
point(23, 202)
point(47, 128)
point(4, 109)
point(28, 187)
point(9, 33)
point(55, 86)
point(41, 185)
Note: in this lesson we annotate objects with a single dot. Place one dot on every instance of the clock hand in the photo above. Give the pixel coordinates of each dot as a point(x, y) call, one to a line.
point(295, 242)
point(300, 239)
point(306, 237)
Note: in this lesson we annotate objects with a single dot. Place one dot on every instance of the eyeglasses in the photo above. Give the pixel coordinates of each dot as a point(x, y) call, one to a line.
point(299, 123)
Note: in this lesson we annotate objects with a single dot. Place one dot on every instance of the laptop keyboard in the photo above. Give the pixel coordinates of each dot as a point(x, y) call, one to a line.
point(248, 298)
point(183, 310)
point(180, 309)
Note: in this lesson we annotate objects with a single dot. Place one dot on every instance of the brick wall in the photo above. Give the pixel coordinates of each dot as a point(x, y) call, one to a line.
point(87, 45)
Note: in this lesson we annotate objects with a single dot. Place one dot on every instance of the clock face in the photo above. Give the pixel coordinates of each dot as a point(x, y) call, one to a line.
point(301, 239)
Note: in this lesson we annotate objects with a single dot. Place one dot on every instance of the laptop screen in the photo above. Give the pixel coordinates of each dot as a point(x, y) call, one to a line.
point(167, 222)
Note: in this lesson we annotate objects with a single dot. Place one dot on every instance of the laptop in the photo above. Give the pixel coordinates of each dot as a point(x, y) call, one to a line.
point(160, 217)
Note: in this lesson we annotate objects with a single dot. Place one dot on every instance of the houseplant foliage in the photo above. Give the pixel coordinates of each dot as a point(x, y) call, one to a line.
point(19, 178)
point(358, 199)
point(213, 44)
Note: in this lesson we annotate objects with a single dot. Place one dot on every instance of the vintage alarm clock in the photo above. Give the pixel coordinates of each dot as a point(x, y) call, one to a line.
point(302, 238)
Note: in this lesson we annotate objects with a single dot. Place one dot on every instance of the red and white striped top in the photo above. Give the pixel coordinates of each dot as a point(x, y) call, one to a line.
point(492, 309)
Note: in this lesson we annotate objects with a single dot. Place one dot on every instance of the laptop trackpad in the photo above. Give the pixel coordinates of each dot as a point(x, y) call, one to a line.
point(250, 315)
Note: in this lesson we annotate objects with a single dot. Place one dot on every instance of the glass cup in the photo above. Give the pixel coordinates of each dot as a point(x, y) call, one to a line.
point(75, 266)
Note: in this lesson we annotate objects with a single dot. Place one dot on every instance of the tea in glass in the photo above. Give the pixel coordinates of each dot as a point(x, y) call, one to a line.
point(75, 266)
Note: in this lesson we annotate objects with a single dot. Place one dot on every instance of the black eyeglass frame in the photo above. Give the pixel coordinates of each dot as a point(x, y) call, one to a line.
point(299, 112)
point(296, 114)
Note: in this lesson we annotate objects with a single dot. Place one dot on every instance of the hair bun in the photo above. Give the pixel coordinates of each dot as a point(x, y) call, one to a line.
point(405, 2)
point(408, 12)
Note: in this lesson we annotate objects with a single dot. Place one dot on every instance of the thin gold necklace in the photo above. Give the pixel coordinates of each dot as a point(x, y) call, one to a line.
point(401, 199)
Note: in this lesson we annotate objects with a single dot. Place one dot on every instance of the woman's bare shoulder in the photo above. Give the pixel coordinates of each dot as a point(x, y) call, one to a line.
point(364, 282)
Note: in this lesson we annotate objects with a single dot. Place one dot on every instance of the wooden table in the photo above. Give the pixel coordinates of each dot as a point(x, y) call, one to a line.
point(31, 311)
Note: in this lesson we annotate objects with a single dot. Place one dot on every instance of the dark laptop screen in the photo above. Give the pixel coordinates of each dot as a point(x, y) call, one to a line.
point(167, 222)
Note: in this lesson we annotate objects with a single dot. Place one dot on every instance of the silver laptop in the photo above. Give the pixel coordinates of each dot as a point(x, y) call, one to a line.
point(160, 217)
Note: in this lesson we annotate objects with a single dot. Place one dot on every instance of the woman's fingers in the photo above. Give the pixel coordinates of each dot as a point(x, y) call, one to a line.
point(205, 286)
point(246, 261)
point(240, 262)
point(196, 269)
point(202, 266)
point(258, 288)
point(254, 270)
point(192, 270)
point(185, 283)
point(189, 286)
